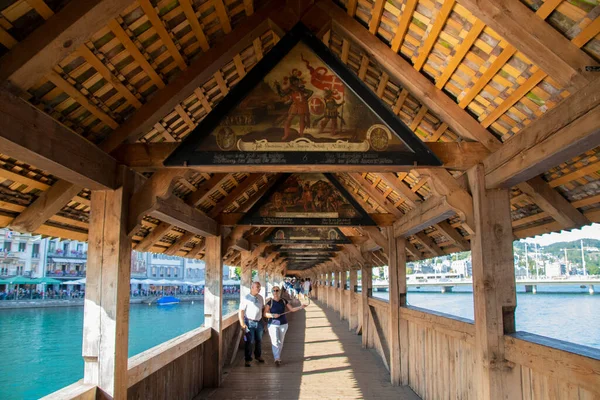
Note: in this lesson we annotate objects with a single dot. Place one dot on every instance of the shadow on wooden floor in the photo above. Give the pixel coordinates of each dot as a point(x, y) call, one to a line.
point(321, 360)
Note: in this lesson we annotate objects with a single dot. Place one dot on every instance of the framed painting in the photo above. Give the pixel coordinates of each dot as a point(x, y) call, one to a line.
point(298, 106)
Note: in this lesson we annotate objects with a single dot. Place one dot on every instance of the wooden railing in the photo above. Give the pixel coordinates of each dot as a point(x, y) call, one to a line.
point(232, 335)
point(173, 369)
point(551, 368)
point(438, 351)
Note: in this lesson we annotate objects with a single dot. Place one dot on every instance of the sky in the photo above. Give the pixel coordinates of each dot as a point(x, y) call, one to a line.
point(587, 232)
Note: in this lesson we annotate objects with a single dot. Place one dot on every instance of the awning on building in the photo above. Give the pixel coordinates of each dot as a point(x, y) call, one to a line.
point(69, 260)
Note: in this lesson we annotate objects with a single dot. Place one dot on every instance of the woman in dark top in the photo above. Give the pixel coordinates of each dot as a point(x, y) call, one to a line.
point(274, 308)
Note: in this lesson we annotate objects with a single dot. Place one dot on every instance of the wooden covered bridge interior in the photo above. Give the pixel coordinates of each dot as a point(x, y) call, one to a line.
point(97, 95)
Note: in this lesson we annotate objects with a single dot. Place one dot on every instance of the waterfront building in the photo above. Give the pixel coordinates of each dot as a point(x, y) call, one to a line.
point(554, 269)
point(462, 267)
point(65, 259)
point(21, 254)
point(34, 257)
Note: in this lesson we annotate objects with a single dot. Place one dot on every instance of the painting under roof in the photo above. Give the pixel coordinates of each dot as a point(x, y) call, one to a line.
point(301, 106)
point(313, 199)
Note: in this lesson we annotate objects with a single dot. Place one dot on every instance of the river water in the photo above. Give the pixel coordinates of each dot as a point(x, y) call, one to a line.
point(41, 348)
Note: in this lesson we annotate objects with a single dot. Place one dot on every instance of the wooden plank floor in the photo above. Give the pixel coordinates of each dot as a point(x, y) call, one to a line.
point(321, 359)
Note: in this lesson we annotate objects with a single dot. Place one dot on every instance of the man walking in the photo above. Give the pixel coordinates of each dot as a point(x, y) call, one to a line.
point(250, 316)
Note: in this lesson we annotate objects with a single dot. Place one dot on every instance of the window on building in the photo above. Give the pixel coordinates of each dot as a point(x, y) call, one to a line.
point(35, 250)
point(52, 247)
point(80, 247)
point(6, 246)
point(22, 247)
point(65, 247)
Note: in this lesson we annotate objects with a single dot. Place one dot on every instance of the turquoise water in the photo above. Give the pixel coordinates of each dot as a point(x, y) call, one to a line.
point(40, 348)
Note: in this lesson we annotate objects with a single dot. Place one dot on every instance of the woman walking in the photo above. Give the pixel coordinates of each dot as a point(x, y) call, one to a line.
point(275, 310)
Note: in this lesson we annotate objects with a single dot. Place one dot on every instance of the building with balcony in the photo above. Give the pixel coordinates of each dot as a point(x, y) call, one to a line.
point(33, 256)
point(21, 254)
point(65, 259)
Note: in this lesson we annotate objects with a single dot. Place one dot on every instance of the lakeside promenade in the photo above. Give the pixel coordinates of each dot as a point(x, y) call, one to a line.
point(78, 302)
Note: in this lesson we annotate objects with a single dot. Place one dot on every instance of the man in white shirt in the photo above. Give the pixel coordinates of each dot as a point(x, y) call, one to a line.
point(306, 287)
point(250, 316)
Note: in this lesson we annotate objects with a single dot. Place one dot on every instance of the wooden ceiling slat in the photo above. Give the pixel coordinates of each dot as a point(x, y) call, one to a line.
point(56, 39)
point(419, 85)
point(440, 19)
point(460, 53)
point(137, 55)
point(79, 97)
point(190, 14)
point(405, 18)
point(162, 32)
point(199, 72)
point(91, 58)
point(532, 36)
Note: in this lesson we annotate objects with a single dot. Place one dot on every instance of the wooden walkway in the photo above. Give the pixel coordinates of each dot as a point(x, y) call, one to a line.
point(321, 359)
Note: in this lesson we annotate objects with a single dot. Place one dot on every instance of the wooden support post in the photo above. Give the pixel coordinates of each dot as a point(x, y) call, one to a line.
point(353, 318)
point(493, 289)
point(367, 282)
point(213, 315)
point(262, 277)
point(340, 286)
point(106, 310)
point(398, 328)
point(326, 285)
point(246, 274)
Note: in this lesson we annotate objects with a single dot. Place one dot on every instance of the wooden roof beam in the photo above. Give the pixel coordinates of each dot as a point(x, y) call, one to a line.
point(429, 244)
point(197, 73)
point(153, 237)
point(569, 129)
point(444, 184)
point(235, 193)
point(430, 212)
point(206, 188)
point(376, 194)
point(174, 211)
point(45, 207)
point(159, 185)
point(196, 250)
point(553, 203)
point(393, 181)
point(454, 236)
point(417, 84)
point(537, 40)
point(179, 243)
point(379, 238)
point(33, 137)
point(412, 250)
point(58, 37)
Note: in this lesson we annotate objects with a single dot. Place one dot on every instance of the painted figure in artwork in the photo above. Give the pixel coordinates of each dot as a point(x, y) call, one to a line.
point(331, 112)
point(307, 197)
point(294, 89)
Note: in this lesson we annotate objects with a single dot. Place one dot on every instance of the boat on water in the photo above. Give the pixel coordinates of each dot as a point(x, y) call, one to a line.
point(167, 300)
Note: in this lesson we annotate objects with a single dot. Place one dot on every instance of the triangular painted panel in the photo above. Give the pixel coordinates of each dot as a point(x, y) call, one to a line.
point(311, 199)
point(301, 106)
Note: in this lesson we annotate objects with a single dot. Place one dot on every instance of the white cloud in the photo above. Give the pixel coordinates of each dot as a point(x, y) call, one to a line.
point(587, 232)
